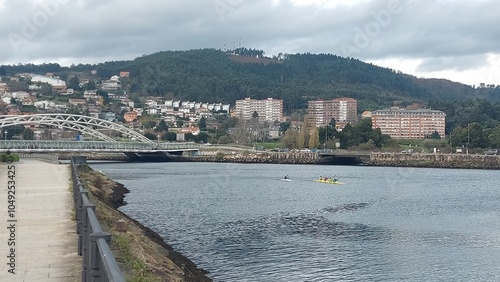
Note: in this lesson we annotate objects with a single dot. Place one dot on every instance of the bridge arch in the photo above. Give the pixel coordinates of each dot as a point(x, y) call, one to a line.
point(80, 123)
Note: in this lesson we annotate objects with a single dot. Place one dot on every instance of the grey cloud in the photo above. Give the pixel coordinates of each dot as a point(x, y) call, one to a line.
point(432, 29)
point(458, 63)
point(109, 30)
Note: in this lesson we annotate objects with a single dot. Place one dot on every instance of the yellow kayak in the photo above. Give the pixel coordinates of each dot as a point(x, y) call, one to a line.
point(328, 181)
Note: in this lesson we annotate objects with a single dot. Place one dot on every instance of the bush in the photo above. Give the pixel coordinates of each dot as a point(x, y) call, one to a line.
point(9, 158)
point(219, 156)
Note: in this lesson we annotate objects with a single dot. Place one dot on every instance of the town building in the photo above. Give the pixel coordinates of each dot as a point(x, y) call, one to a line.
point(130, 116)
point(77, 102)
point(409, 124)
point(112, 84)
point(3, 88)
point(269, 109)
point(342, 110)
point(57, 84)
point(54, 82)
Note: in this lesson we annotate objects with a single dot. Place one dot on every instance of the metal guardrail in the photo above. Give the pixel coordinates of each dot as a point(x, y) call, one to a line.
point(44, 157)
point(98, 262)
point(94, 145)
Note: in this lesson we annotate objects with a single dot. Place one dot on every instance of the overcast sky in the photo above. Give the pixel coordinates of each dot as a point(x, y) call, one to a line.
point(453, 39)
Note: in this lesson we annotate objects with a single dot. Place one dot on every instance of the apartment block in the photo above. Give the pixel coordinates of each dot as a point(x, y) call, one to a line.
point(409, 124)
point(267, 109)
point(343, 110)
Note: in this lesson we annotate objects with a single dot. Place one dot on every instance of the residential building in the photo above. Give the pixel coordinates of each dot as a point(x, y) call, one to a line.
point(3, 88)
point(112, 84)
point(19, 95)
point(7, 98)
point(186, 130)
point(268, 109)
point(128, 102)
point(32, 87)
point(28, 101)
point(117, 96)
point(54, 82)
point(110, 116)
point(67, 92)
point(139, 111)
point(319, 112)
point(343, 110)
point(89, 94)
point(78, 102)
point(409, 124)
point(366, 114)
point(44, 104)
point(93, 111)
point(130, 116)
point(272, 132)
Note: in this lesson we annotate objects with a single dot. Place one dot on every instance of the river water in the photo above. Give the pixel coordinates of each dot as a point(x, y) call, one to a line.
point(241, 222)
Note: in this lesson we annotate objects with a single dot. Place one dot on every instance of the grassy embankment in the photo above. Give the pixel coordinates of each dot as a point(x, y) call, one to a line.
point(141, 253)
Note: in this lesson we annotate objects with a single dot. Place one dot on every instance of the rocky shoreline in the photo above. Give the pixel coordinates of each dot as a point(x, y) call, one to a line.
point(160, 261)
point(459, 161)
point(426, 164)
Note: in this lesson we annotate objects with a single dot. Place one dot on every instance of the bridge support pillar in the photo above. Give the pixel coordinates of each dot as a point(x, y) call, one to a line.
point(80, 160)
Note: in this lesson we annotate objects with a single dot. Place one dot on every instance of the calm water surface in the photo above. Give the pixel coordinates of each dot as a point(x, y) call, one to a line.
point(241, 222)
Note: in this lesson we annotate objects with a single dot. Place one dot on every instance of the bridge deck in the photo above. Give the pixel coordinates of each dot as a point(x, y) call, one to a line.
point(56, 146)
point(45, 237)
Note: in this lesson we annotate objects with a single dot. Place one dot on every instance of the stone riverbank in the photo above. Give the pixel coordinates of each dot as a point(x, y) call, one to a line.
point(462, 161)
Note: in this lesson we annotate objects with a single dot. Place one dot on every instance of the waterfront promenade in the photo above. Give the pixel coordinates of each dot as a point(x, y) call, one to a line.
point(37, 235)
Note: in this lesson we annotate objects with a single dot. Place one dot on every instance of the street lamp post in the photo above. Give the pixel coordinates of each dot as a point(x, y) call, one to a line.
point(326, 135)
point(468, 138)
point(451, 145)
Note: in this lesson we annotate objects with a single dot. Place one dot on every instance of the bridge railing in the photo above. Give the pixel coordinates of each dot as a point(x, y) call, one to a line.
point(44, 157)
point(98, 262)
point(96, 145)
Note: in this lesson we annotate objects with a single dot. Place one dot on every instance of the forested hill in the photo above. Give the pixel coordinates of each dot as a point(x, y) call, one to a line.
point(210, 75)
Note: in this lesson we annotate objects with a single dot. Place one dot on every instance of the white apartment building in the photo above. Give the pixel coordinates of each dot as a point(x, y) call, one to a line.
point(52, 81)
point(267, 109)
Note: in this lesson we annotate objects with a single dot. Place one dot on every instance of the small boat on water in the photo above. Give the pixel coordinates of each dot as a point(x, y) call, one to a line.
point(328, 181)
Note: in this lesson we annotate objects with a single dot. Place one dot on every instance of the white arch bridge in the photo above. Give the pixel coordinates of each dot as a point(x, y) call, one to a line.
point(89, 126)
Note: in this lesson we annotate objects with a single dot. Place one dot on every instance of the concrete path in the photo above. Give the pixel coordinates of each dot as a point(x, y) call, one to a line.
point(39, 221)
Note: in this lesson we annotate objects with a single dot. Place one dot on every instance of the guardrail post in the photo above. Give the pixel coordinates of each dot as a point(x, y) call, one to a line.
point(79, 221)
point(85, 241)
point(94, 256)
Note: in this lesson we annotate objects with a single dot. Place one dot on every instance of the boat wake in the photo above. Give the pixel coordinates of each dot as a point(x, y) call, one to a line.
point(345, 208)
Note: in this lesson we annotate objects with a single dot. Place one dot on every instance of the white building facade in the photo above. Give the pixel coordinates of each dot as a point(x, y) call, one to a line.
point(269, 109)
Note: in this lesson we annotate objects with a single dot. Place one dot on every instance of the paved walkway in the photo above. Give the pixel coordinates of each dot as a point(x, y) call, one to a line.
point(39, 223)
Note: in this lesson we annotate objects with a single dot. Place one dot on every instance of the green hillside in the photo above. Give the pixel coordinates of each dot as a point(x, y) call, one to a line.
point(211, 75)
